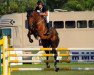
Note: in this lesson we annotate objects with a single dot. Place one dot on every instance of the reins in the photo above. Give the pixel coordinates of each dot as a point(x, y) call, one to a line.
point(40, 21)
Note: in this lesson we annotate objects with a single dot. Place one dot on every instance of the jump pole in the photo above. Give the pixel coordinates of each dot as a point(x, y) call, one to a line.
point(6, 69)
point(51, 69)
point(49, 49)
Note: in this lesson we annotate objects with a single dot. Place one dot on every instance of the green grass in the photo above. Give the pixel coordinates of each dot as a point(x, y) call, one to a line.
point(59, 64)
point(64, 72)
point(54, 73)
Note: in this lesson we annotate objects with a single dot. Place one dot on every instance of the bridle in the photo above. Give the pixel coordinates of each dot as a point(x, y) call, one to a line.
point(34, 20)
point(37, 19)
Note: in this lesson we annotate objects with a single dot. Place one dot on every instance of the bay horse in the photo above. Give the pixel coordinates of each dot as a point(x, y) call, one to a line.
point(38, 28)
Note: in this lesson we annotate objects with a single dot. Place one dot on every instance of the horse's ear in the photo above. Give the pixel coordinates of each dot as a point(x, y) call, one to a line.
point(32, 10)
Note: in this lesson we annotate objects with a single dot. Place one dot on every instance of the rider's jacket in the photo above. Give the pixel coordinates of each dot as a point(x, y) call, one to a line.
point(43, 10)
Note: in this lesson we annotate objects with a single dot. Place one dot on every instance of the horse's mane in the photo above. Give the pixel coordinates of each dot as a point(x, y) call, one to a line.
point(38, 14)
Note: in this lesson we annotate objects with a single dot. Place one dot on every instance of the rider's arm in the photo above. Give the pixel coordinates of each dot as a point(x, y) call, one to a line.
point(44, 13)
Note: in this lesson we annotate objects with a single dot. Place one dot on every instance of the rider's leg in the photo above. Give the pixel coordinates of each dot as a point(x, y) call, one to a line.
point(48, 27)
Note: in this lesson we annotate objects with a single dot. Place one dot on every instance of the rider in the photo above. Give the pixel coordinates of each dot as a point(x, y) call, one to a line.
point(41, 8)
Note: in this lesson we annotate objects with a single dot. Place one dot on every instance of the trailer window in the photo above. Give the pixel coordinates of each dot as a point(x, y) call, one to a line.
point(70, 24)
point(82, 24)
point(58, 24)
point(91, 24)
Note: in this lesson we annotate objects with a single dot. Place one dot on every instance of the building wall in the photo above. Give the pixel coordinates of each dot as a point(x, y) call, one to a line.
point(68, 16)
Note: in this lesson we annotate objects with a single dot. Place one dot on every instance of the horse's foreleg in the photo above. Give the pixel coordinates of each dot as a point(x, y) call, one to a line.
point(47, 63)
point(47, 58)
point(29, 36)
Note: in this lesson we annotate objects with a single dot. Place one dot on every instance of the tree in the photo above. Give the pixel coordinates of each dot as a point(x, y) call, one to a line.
point(73, 6)
point(55, 4)
point(89, 4)
point(2, 1)
point(12, 6)
point(79, 5)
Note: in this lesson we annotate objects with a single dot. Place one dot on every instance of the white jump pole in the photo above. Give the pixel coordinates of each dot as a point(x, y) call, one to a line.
point(49, 69)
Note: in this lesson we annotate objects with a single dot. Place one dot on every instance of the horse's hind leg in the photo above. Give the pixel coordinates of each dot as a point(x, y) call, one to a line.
point(55, 60)
point(47, 58)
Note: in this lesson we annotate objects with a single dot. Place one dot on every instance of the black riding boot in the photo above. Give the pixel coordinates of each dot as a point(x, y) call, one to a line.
point(48, 32)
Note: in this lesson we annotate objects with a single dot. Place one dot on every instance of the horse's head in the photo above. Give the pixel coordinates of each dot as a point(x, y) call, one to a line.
point(32, 24)
point(31, 20)
point(35, 19)
point(37, 22)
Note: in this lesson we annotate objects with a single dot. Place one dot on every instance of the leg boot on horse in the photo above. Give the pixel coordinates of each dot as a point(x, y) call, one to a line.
point(55, 60)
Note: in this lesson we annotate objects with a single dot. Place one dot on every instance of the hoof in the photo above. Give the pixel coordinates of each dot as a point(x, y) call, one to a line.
point(48, 66)
point(56, 69)
point(30, 40)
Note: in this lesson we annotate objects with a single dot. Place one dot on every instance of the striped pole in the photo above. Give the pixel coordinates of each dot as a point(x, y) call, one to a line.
point(38, 61)
point(35, 49)
point(44, 49)
point(49, 69)
point(44, 55)
point(50, 61)
point(39, 55)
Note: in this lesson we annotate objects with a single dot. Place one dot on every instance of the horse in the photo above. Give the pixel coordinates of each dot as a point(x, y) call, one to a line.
point(37, 28)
